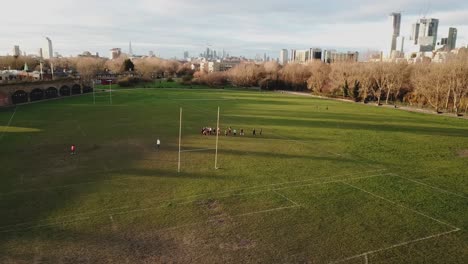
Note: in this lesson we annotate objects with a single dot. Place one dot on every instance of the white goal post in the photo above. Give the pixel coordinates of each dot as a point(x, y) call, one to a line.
point(180, 141)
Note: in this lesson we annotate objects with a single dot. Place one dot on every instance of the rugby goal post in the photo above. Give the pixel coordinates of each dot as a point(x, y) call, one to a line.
point(180, 140)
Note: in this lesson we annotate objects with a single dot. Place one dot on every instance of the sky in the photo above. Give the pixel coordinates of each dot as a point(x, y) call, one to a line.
point(241, 27)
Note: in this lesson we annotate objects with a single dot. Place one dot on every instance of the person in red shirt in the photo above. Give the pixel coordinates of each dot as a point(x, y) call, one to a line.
point(73, 149)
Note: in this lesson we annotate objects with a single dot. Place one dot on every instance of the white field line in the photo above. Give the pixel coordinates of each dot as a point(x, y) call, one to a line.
point(81, 130)
point(220, 218)
point(285, 197)
point(8, 124)
point(192, 196)
point(304, 142)
point(63, 217)
point(64, 186)
point(328, 182)
point(196, 150)
point(46, 225)
point(201, 99)
point(164, 203)
point(139, 210)
point(402, 206)
point(281, 183)
point(365, 254)
point(430, 186)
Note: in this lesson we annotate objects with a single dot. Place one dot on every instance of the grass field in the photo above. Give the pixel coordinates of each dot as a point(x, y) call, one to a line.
point(327, 182)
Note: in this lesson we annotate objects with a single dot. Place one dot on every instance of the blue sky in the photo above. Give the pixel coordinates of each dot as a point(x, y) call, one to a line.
point(243, 27)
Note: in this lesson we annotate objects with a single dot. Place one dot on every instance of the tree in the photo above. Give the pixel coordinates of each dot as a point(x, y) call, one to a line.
point(381, 74)
point(128, 65)
point(458, 81)
point(89, 67)
point(319, 81)
point(397, 77)
point(246, 74)
point(115, 65)
point(343, 74)
point(295, 75)
point(430, 82)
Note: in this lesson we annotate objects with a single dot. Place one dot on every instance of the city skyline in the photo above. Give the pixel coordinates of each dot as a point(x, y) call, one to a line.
point(247, 30)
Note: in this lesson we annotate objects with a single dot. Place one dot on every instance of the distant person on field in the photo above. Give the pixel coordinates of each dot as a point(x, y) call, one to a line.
point(254, 132)
point(225, 133)
point(235, 132)
point(230, 130)
point(73, 149)
point(242, 132)
point(158, 144)
point(261, 131)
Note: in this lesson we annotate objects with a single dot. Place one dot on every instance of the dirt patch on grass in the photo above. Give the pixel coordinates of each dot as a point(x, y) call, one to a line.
point(463, 153)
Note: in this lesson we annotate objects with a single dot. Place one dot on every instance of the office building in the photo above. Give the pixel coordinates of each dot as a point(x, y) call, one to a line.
point(452, 39)
point(48, 51)
point(302, 56)
point(424, 34)
point(315, 54)
point(115, 53)
point(186, 54)
point(332, 56)
point(283, 58)
point(292, 55)
point(395, 20)
point(16, 51)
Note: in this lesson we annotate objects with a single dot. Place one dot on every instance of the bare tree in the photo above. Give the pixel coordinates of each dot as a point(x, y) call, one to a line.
point(89, 67)
point(246, 74)
point(319, 81)
point(430, 81)
point(398, 76)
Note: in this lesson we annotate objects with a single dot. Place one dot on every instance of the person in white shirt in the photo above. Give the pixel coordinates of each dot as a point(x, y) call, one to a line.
point(158, 143)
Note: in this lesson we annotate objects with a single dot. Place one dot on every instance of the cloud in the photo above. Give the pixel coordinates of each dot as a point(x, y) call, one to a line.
point(244, 27)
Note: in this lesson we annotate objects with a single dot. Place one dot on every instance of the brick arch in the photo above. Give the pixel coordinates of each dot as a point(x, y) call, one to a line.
point(76, 89)
point(51, 92)
point(65, 91)
point(19, 97)
point(87, 89)
point(36, 95)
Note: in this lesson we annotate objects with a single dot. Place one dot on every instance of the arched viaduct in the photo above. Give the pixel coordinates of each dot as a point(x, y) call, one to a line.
point(18, 93)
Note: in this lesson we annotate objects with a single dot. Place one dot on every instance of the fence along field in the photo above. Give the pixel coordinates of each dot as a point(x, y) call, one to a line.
point(327, 182)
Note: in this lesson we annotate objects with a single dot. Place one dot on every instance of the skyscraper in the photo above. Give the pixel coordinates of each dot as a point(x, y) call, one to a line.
point(395, 19)
point(452, 39)
point(315, 54)
point(130, 50)
point(425, 34)
point(292, 56)
point(186, 54)
point(16, 51)
point(283, 59)
point(48, 51)
point(115, 53)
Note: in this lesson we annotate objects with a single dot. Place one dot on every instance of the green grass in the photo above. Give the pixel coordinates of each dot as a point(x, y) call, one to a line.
point(326, 181)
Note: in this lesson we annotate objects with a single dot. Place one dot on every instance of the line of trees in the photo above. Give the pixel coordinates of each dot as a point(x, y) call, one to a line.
point(87, 67)
point(441, 86)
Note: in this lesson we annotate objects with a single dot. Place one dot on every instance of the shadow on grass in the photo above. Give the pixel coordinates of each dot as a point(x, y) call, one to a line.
point(325, 123)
